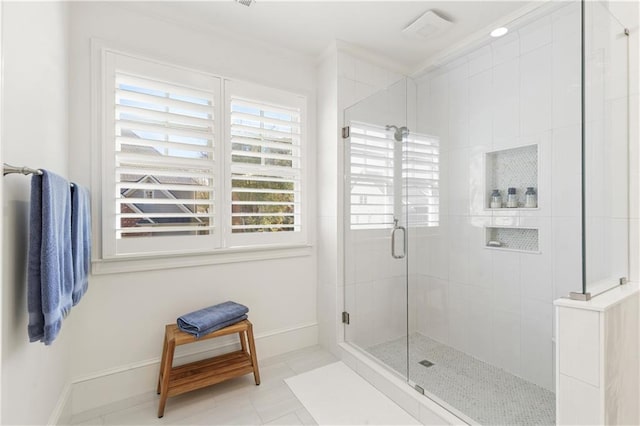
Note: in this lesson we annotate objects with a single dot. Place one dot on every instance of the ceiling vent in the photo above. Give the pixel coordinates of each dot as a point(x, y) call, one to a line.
point(245, 2)
point(429, 25)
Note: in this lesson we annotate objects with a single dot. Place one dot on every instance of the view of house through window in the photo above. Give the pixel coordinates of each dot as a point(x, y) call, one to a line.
point(164, 161)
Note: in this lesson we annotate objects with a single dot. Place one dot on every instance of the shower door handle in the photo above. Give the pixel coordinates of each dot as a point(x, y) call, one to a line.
point(393, 240)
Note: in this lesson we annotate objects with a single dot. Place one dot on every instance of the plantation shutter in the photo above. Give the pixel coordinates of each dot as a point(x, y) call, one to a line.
point(371, 176)
point(163, 157)
point(265, 164)
point(165, 189)
point(421, 175)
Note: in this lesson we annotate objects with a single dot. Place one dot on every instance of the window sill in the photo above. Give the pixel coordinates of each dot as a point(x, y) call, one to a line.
point(137, 264)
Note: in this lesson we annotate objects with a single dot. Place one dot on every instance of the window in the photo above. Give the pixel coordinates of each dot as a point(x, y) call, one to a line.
point(389, 179)
point(186, 170)
point(265, 163)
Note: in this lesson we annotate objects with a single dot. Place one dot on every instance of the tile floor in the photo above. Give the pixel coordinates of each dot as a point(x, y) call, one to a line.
point(337, 395)
point(483, 392)
point(235, 402)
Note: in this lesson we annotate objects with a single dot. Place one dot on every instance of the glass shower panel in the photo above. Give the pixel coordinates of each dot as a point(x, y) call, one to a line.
point(375, 226)
point(482, 277)
point(606, 149)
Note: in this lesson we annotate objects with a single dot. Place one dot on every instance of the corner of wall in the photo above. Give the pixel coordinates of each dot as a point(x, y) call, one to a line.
point(61, 414)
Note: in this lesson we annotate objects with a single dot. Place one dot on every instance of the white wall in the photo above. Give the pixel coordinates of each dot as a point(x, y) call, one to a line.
point(121, 319)
point(35, 133)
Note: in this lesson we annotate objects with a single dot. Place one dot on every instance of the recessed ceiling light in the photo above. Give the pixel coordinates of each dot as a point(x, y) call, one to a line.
point(499, 32)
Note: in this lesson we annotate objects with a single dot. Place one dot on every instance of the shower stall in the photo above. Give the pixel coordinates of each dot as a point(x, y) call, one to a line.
point(450, 288)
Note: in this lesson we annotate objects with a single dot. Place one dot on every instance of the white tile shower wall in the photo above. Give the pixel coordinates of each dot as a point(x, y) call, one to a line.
point(519, 90)
point(380, 290)
point(328, 202)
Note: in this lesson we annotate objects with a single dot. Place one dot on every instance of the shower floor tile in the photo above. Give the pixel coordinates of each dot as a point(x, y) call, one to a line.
point(486, 394)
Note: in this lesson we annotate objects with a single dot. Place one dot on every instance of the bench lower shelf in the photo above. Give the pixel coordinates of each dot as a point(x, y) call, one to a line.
point(207, 372)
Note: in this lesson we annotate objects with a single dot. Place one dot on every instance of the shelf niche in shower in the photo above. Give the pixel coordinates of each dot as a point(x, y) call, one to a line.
point(513, 239)
point(511, 168)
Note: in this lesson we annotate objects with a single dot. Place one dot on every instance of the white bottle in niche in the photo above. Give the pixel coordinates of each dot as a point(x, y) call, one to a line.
point(530, 198)
point(496, 199)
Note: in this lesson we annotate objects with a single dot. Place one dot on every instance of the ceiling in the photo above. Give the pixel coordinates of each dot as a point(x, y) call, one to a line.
point(308, 27)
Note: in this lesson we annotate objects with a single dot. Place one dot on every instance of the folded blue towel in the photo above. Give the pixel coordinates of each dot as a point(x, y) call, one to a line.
point(218, 326)
point(80, 240)
point(50, 268)
point(213, 318)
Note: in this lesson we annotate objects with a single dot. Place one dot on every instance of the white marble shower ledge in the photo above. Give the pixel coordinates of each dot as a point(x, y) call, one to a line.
point(602, 301)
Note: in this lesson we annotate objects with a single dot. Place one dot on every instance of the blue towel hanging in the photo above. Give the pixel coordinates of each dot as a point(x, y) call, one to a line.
point(50, 266)
point(80, 240)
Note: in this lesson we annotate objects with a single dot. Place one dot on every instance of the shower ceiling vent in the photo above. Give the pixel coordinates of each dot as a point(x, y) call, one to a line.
point(429, 25)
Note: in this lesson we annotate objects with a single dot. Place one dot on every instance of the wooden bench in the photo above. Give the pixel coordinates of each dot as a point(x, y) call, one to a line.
point(173, 381)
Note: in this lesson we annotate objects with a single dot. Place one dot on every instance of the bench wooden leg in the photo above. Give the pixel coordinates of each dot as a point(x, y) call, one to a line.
point(166, 372)
point(243, 341)
point(254, 360)
point(162, 361)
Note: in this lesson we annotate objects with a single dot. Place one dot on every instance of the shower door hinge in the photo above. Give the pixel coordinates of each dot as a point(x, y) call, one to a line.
point(345, 317)
point(626, 31)
point(419, 388)
point(623, 280)
point(345, 132)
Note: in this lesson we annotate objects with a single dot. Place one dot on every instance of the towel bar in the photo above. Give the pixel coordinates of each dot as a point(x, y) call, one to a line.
point(8, 169)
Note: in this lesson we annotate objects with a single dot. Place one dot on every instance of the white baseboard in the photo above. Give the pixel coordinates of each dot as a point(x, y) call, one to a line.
point(128, 381)
point(61, 413)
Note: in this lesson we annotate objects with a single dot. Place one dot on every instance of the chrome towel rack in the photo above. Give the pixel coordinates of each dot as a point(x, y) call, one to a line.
point(9, 169)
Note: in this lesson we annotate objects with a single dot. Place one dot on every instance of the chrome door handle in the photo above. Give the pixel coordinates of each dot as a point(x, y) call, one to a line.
point(393, 241)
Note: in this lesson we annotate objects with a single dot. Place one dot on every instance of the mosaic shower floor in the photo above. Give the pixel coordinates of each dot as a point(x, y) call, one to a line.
point(487, 394)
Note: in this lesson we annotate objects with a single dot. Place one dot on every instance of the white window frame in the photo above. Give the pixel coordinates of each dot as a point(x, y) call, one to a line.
point(221, 241)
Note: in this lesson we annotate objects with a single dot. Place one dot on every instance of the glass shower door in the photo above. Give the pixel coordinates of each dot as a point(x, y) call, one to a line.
point(375, 226)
